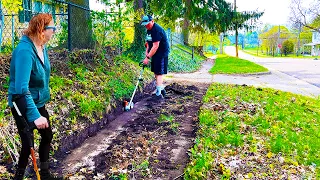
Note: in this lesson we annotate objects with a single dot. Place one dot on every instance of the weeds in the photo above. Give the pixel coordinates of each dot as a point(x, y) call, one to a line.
point(180, 61)
point(169, 119)
point(82, 96)
point(236, 121)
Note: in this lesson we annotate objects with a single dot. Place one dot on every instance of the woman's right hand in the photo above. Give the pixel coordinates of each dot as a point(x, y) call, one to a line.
point(41, 123)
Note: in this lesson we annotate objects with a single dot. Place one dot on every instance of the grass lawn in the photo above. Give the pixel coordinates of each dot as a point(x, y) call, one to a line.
point(253, 51)
point(232, 65)
point(209, 54)
point(252, 132)
point(181, 60)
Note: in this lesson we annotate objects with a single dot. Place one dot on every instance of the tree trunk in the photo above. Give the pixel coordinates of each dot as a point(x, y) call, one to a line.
point(80, 31)
point(137, 47)
point(237, 55)
point(186, 23)
point(235, 11)
point(199, 50)
point(139, 30)
point(221, 43)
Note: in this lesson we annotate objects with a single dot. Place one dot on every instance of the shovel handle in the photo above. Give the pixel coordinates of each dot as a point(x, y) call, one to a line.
point(27, 130)
point(17, 109)
point(34, 161)
point(19, 113)
point(26, 125)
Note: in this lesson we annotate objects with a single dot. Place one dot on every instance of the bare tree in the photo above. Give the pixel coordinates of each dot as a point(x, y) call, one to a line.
point(303, 14)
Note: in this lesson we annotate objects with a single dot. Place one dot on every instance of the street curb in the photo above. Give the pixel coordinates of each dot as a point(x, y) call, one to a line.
point(247, 74)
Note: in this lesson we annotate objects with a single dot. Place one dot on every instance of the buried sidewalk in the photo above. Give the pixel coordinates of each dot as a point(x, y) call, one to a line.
point(151, 141)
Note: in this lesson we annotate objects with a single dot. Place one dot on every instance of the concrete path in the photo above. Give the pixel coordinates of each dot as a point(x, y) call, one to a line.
point(307, 70)
point(275, 80)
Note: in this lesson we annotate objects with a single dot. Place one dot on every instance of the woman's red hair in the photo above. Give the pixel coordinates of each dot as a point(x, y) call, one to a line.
point(37, 25)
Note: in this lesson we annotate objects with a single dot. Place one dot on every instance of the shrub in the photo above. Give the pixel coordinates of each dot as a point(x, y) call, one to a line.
point(287, 47)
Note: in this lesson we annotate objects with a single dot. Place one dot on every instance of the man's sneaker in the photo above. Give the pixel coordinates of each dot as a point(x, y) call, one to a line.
point(154, 92)
point(163, 92)
point(156, 98)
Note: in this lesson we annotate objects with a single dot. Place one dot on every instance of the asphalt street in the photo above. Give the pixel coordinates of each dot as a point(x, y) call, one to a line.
point(299, 76)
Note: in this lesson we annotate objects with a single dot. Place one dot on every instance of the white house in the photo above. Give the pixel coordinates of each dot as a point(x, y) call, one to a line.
point(315, 44)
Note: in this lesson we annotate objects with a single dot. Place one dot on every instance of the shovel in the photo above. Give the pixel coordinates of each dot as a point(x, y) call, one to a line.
point(129, 105)
point(28, 133)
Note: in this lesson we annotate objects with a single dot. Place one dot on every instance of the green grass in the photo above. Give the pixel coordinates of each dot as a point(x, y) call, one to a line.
point(181, 61)
point(169, 119)
point(84, 95)
point(253, 51)
point(236, 121)
point(232, 65)
point(208, 54)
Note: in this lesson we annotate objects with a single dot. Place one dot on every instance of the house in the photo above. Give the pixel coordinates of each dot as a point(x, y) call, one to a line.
point(13, 24)
point(315, 44)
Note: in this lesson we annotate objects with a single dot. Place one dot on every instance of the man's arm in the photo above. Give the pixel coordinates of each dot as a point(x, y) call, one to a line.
point(154, 49)
point(147, 48)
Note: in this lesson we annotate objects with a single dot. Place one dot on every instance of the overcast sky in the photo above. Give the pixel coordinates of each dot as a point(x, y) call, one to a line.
point(95, 5)
point(276, 12)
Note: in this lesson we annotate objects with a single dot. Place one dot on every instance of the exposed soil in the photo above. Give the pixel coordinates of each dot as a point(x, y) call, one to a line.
point(151, 141)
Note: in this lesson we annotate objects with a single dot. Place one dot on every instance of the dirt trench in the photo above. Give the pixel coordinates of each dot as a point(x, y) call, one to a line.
point(151, 141)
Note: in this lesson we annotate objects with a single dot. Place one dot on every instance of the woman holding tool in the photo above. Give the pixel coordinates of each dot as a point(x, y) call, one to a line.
point(29, 92)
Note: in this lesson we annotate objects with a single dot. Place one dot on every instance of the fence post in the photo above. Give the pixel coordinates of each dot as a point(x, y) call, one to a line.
point(169, 36)
point(192, 52)
point(69, 27)
point(12, 31)
point(120, 40)
point(1, 25)
point(171, 39)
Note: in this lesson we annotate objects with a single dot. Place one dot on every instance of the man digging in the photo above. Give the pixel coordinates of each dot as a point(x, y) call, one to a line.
point(157, 49)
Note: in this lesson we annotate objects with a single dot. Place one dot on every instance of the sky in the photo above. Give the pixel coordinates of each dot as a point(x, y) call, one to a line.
point(276, 12)
point(95, 5)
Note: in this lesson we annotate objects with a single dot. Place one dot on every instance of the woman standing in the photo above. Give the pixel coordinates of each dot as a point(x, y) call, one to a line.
point(29, 88)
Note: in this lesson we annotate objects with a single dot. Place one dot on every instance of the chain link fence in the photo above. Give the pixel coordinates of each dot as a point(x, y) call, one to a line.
point(12, 25)
point(176, 41)
point(77, 26)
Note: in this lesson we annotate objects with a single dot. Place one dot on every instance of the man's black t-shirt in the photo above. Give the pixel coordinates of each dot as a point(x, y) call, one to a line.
point(158, 34)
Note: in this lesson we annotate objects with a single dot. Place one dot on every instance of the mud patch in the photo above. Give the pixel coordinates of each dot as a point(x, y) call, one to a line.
point(155, 143)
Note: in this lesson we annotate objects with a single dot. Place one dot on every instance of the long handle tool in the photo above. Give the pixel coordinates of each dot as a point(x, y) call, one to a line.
point(28, 133)
point(128, 106)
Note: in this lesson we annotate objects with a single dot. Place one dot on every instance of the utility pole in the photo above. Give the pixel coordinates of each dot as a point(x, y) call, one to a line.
point(298, 48)
point(258, 48)
point(235, 13)
point(278, 41)
point(221, 43)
